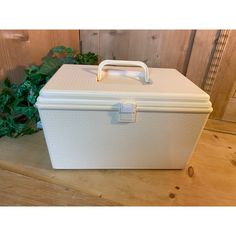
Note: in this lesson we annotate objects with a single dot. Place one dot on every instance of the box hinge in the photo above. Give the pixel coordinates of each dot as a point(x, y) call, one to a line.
point(127, 112)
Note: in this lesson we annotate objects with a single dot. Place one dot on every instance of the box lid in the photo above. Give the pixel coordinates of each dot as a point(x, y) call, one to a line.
point(78, 85)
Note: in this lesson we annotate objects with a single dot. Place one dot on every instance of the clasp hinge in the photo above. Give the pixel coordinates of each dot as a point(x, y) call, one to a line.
point(127, 112)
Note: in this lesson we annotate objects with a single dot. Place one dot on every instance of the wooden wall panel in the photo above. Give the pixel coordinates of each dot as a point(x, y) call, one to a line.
point(145, 46)
point(189, 51)
point(158, 48)
point(42, 40)
point(230, 107)
point(175, 47)
point(89, 40)
point(230, 110)
point(216, 60)
point(225, 78)
point(203, 55)
point(19, 48)
point(114, 44)
point(14, 53)
point(202, 51)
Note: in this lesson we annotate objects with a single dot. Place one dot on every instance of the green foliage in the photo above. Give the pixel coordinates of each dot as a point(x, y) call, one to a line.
point(18, 116)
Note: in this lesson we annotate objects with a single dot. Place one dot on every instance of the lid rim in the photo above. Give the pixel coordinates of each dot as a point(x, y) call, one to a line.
point(66, 94)
point(138, 108)
point(150, 104)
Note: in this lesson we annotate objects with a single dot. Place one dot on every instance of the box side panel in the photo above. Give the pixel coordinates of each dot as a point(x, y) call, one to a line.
point(96, 140)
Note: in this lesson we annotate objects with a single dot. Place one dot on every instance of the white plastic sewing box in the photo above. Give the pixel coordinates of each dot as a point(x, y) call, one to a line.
point(121, 115)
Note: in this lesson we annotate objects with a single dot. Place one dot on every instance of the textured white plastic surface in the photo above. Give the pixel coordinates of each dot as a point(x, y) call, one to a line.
point(121, 122)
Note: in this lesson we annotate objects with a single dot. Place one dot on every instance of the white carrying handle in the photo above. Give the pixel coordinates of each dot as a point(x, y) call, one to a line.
point(123, 63)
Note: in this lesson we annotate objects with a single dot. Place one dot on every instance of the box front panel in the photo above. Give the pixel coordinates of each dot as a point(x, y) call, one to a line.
point(96, 140)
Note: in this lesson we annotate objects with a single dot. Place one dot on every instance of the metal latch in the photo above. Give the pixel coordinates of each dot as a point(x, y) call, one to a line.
point(127, 112)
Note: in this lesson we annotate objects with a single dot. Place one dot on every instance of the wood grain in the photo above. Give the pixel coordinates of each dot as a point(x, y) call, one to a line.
point(203, 47)
point(213, 181)
point(20, 48)
point(17, 189)
point(216, 60)
point(221, 126)
point(157, 48)
point(230, 110)
point(89, 41)
point(14, 53)
point(230, 107)
point(43, 40)
point(225, 78)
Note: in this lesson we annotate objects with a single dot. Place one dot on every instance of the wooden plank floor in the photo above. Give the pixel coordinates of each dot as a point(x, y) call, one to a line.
point(26, 176)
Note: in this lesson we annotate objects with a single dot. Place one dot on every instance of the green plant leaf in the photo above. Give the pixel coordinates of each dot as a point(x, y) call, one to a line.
point(18, 115)
point(87, 58)
point(58, 49)
point(31, 69)
point(4, 99)
point(69, 50)
point(50, 66)
point(3, 128)
point(27, 111)
point(32, 98)
point(6, 83)
point(68, 60)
